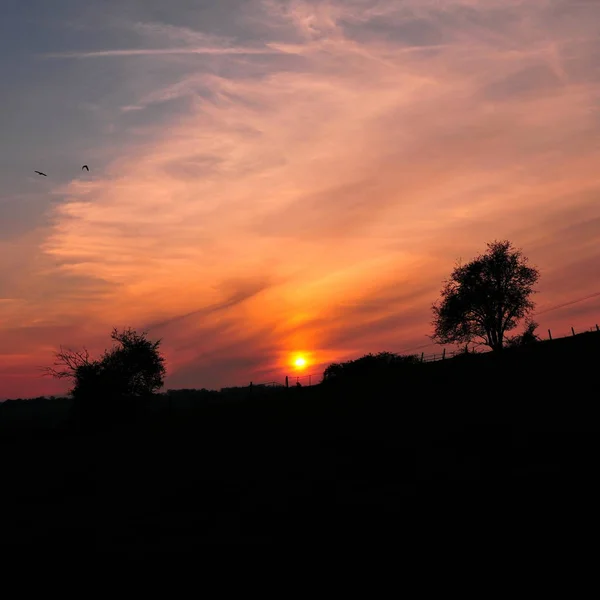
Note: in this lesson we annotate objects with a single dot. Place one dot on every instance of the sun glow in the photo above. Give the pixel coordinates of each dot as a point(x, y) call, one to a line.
point(300, 362)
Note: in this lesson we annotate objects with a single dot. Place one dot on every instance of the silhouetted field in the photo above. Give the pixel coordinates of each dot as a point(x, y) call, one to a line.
point(478, 446)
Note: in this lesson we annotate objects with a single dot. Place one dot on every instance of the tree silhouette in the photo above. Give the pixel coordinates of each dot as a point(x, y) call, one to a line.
point(135, 365)
point(132, 368)
point(485, 298)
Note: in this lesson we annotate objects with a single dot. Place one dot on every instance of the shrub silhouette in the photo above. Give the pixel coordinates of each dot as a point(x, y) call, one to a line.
point(367, 366)
point(485, 298)
point(131, 370)
point(527, 337)
point(332, 371)
point(134, 367)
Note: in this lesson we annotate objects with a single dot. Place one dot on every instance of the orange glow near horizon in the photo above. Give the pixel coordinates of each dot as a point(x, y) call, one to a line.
point(300, 363)
point(304, 194)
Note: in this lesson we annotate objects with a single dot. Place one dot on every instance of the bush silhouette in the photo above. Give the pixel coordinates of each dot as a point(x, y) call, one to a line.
point(134, 367)
point(132, 370)
point(527, 338)
point(485, 298)
point(367, 366)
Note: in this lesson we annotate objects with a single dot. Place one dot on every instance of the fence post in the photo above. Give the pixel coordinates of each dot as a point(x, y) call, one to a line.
point(597, 328)
point(287, 384)
point(573, 331)
point(444, 354)
point(422, 354)
point(550, 334)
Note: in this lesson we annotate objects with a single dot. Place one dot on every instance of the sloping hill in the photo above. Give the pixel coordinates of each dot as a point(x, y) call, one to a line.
point(476, 445)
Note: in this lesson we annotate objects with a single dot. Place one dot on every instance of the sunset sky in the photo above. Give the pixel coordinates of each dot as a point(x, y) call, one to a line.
point(271, 178)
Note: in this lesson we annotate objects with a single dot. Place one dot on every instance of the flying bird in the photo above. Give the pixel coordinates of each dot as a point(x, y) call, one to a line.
point(85, 167)
point(40, 173)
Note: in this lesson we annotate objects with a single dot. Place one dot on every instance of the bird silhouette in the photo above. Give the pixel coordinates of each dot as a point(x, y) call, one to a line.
point(85, 167)
point(40, 173)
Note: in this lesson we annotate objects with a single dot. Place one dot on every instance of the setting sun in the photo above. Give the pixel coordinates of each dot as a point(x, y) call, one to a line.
point(300, 362)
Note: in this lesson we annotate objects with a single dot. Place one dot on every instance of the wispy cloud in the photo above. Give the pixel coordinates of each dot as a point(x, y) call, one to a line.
point(157, 31)
point(159, 52)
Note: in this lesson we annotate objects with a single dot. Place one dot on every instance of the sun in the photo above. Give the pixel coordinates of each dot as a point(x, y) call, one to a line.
point(300, 362)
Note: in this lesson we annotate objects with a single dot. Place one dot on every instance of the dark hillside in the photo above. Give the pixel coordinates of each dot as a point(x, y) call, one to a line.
point(467, 446)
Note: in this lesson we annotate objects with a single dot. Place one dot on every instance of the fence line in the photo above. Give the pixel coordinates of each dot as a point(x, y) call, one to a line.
point(442, 355)
point(293, 380)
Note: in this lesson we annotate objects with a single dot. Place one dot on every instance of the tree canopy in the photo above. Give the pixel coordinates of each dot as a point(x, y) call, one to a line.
point(133, 367)
point(485, 298)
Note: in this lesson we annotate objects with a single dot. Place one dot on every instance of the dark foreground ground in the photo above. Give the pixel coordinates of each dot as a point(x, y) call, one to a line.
point(474, 448)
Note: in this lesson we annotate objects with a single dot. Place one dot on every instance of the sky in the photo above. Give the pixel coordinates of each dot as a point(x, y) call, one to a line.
point(270, 178)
